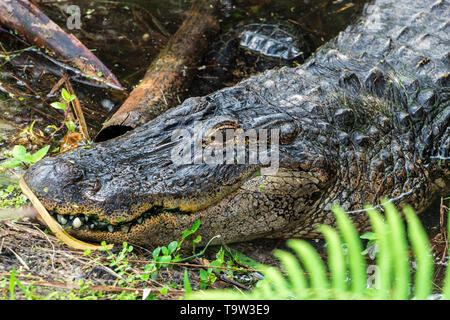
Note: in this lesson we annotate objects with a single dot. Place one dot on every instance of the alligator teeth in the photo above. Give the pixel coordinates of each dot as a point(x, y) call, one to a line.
point(86, 218)
point(92, 226)
point(102, 224)
point(76, 223)
point(61, 219)
point(110, 228)
point(139, 220)
point(125, 229)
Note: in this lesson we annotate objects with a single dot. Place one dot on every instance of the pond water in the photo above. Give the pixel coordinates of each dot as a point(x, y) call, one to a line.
point(127, 35)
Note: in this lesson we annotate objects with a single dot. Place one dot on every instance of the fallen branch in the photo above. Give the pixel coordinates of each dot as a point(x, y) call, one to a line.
point(169, 74)
point(30, 23)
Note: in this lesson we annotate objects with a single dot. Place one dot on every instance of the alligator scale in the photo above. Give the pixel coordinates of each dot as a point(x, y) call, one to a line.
point(365, 118)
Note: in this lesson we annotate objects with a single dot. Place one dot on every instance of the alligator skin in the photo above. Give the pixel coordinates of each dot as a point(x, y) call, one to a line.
point(366, 118)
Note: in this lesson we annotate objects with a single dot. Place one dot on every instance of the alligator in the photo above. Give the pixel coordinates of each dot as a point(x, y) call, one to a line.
point(362, 121)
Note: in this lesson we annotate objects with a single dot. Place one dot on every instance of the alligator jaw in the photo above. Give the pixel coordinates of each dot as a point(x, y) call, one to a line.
point(81, 222)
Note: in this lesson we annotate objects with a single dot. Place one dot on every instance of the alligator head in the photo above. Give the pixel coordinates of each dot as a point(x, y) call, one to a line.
point(366, 118)
point(160, 178)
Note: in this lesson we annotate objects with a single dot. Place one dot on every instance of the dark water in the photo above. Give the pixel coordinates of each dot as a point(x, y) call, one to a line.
point(127, 35)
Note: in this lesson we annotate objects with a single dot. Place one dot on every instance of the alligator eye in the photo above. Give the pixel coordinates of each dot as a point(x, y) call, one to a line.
point(222, 126)
point(70, 171)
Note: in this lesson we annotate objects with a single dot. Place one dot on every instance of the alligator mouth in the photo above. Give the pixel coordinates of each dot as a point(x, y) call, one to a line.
point(82, 222)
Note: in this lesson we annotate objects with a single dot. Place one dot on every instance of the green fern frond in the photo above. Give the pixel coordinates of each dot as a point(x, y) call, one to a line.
point(345, 276)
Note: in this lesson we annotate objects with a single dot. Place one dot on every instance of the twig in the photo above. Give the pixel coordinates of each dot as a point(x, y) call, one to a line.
point(19, 258)
point(224, 278)
point(78, 111)
point(58, 84)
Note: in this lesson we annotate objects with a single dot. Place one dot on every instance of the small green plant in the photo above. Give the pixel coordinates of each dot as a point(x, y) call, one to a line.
point(188, 234)
point(20, 157)
point(11, 197)
point(119, 263)
point(163, 256)
point(345, 276)
point(13, 281)
point(372, 244)
point(67, 98)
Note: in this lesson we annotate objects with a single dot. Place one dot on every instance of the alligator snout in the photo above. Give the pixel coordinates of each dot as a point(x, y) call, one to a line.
point(52, 175)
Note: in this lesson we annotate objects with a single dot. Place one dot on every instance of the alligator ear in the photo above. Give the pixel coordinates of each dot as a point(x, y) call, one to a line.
point(305, 156)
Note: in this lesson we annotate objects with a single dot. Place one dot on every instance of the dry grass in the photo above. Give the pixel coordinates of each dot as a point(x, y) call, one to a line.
point(49, 269)
point(46, 265)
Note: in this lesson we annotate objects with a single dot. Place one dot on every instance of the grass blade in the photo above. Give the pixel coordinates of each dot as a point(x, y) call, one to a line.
point(384, 258)
point(336, 260)
point(296, 276)
point(357, 265)
point(313, 266)
point(422, 252)
point(399, 247)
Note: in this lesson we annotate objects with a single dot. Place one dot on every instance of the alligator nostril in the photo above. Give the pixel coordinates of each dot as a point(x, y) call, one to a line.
point(52, 175)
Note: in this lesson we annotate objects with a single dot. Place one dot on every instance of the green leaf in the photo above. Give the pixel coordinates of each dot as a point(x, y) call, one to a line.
point(336, 260)
point(19, 153)
point(369, 236)
point(446, 289)
point(11, 163)
point(424, 257)
point(203, 275)
point(65, 95)
point(357, 264)
point(12, 283)
point(70, 125)
point(399, 247)
point(384, 257)
point(38, 155)
point(59, 106)
point(215, 263)
point(203, 278)
point(276, 284)
point(195, 225)
point(186, 233)
point(165, 259)
point(52, 126)
point(172, 246)
point(186, 283)
point(313, 266)
point(163, 291)
point(197, 239)
point(295, 273)
point(156, 252)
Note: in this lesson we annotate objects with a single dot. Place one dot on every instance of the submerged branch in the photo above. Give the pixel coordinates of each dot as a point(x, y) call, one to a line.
point(168, 76)
point(30, 23)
